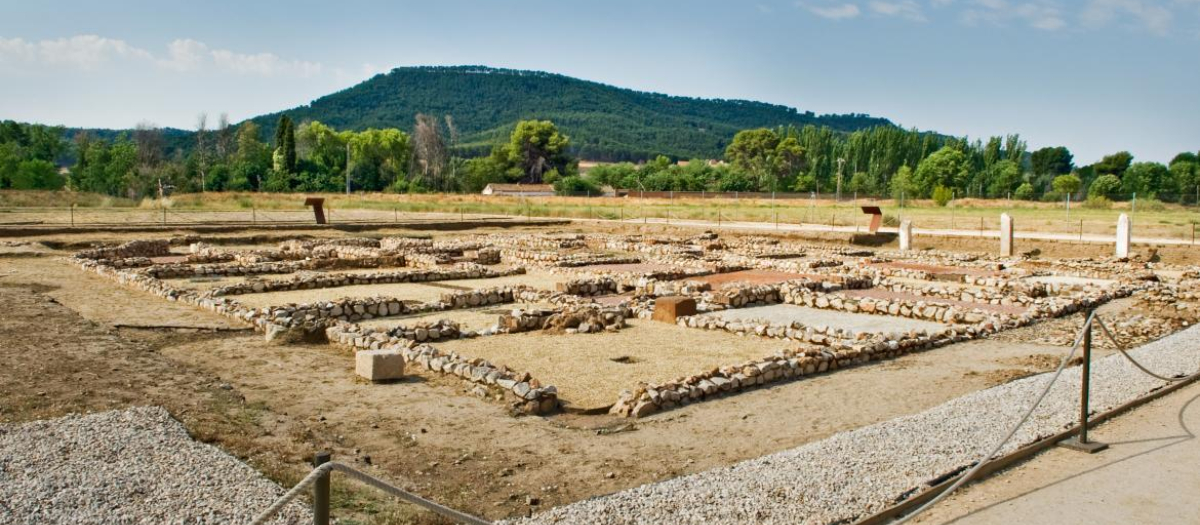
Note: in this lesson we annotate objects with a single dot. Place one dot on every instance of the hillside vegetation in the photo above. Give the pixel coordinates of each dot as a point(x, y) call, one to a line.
point(603, 122)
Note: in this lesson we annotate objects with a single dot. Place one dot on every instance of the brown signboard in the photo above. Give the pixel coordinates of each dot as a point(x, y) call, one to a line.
point(318, 206)
point(876, 217)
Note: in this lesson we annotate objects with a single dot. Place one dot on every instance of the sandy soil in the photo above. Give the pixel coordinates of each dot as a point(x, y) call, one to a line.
point(590, 370)
point(854, 322)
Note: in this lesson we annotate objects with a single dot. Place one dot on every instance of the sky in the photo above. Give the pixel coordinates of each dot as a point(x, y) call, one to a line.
point(1097, 76)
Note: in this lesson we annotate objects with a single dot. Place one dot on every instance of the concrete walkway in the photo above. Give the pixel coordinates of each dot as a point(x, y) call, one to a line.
point(1150, 474)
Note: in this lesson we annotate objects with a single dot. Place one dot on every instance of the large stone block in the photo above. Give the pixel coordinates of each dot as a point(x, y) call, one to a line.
point(379, 365)
point(667, 309)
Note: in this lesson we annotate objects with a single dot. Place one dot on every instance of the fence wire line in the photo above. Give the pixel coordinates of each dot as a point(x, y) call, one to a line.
point(996, 449)
point(1121, 348)
point(326, 468)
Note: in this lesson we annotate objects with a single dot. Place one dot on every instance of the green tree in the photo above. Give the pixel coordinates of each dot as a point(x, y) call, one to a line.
point(1005, 177)
point(1146, 179)
point(947, 167)
point(1114, 164)
point(1051, 161)
point(1185, 174)
point(536, 147)
point(1067, 184)
point(904, 188)
point(285, 146)
point(36, 174)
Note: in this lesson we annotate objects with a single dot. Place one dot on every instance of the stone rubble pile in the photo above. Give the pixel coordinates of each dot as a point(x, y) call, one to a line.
point(441, 329)
point(583, 319)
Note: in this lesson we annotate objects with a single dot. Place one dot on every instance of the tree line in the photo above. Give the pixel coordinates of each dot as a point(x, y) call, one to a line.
point(314, 157)
point(908, 164)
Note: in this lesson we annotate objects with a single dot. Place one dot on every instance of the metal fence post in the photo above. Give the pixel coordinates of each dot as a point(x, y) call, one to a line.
point(321, 491)
point(1081, 442)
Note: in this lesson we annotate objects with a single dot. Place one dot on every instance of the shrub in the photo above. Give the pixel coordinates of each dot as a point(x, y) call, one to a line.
point(575, 185)
point(1053, 196)
point(1025, 192)
point(1151, 204)
point(1097, 202)
point(942, 195)
point(1105, 185)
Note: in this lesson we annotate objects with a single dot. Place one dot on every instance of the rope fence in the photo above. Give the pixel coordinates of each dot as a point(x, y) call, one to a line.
point(322, 473)
point(1080, 442)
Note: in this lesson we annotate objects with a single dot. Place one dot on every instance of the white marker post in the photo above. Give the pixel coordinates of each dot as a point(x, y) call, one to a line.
point(906, 235)
point(1124, 235)
point(1006, 235)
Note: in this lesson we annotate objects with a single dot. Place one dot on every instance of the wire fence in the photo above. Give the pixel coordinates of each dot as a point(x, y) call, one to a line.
point(1177, 224)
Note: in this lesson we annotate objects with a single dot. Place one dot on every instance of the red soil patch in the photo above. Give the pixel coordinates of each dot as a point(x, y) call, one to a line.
point(885, 294)
point(756, 277)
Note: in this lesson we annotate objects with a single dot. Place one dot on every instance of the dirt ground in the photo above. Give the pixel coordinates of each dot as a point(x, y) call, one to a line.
point(590, 370)
point(65, 351)
point(750, 277)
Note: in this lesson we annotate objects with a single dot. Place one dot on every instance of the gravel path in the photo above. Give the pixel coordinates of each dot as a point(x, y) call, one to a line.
point(856, 473)
point(127, 466)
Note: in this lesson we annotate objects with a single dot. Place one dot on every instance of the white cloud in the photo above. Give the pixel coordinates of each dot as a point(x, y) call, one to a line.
point(265, 64)
point(834, 12)
point(1038, 14)
point(92, 52)
point(1150, 15)
point(909, 9)
point(185, 55)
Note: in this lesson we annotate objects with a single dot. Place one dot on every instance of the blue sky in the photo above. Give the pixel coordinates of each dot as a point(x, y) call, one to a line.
point(1094, 75)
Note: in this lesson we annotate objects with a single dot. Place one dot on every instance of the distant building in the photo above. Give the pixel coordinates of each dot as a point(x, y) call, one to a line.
point(519, 190)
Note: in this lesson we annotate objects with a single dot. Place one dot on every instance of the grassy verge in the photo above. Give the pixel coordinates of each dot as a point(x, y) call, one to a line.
point(1152, 219)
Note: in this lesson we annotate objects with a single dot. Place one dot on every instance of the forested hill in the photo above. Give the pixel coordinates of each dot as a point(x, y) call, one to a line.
point(604, 122)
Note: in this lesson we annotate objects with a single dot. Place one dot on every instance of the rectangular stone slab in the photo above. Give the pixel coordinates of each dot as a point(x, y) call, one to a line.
point(379, 365)
point(667, 309)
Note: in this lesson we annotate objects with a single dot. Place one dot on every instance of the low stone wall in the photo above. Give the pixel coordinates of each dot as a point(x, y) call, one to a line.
point(178, 270)
point(841, 348)
point(526, 394)
point(305, 282)
point(487, 256)
point(588, 287)
point(127, 250)
point(395, 244)
point(564, 260)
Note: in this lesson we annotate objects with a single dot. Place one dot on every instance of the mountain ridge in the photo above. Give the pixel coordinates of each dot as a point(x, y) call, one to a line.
point(604, 122)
